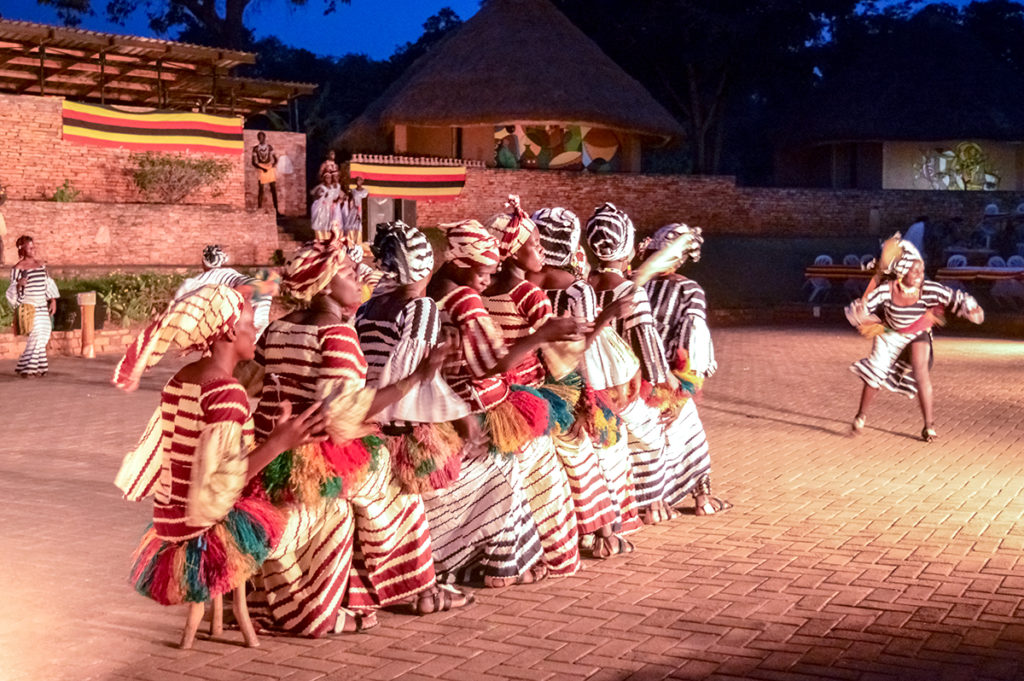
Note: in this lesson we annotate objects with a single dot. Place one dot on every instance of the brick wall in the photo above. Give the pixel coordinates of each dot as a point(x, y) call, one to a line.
point(713, 202)
point(291, 188)
point(138, 233)
point(69, 343)
point(35, 160)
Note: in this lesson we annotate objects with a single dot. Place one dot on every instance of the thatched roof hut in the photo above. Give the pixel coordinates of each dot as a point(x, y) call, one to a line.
point(515, 61)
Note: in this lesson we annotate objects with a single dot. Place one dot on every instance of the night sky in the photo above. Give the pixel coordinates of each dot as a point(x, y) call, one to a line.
point(371, 27)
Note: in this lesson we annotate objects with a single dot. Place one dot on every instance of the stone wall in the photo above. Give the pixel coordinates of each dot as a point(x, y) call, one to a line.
point(713, 202)
point(291, 187)
point(114, 234)
point(35, 160)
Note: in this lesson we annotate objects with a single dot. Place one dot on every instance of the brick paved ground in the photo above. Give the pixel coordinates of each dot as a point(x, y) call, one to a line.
point(872, 558)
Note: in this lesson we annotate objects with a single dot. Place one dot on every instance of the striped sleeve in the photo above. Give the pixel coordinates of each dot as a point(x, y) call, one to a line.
point(421, 321)
point(341, 356)
point(482, 343)
point(532, 303)
point(225, 402)
point(582, 302)
point(877, 299)
point(639, 330)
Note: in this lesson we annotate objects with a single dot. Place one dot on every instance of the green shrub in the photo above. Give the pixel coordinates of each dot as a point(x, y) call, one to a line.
point(168, 178)
point(66, 193)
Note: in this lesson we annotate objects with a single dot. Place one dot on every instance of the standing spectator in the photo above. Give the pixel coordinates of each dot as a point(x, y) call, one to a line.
point(264, 159)
point(324, 215)
point(351, 216)
point(33, 295)
point(916, 232)
point(328, 172)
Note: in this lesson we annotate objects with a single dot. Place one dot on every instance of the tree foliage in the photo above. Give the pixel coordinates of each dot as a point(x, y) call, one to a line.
point(220, 23)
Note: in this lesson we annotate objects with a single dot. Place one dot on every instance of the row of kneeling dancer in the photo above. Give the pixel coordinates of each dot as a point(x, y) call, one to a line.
point(483, 420)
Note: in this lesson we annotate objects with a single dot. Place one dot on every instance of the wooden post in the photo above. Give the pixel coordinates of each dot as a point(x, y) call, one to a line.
point(87, 306)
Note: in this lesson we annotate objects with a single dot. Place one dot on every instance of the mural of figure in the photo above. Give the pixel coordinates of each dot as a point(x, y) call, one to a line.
point(264, 159)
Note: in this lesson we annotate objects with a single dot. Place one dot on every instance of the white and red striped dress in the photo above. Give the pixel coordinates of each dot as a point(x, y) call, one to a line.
point(319, 564)
point(519, 313)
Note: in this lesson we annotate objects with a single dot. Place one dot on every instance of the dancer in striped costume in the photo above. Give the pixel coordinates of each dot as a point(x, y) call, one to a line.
point(899, 314)
point(680, 316)
point(520, 308)
point(196, 454)
point(468, 498)
point(607, 364)
point(31, 286)
point(216, 271)
point(679, 305)
point(668, 445)
point(346, 482)
point(515, 418)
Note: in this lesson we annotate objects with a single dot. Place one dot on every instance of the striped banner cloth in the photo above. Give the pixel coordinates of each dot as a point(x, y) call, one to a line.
point(437, 183)
point(106, 126)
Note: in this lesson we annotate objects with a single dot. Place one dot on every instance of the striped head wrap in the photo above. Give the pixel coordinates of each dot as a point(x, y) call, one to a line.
point(356, 254)
point(610, 233)
point(897, 256)
point(403, 252)
point(470, 245)
point(214, 256)
point(312, 266)
point(677, 230)
point(559, 234)
point(512, 230)
point(192, 322)
point(906, 260)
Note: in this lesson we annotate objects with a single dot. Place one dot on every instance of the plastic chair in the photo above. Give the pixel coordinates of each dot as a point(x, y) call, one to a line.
point(819, 285)
point(865, 260)
point(996, 261)
point(1015, 261)
point(851, 260)
point(957, 260)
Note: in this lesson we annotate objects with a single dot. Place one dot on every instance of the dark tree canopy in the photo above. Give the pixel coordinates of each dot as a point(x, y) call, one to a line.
point(219, 23)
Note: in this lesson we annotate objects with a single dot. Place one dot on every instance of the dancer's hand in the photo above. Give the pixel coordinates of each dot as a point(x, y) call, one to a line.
point(621, 307)
point(292, 431)
point(433, 362)
point(562, 329)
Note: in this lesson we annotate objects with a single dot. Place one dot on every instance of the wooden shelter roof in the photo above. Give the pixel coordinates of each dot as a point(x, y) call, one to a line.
point(39, 59)
point(513, 61)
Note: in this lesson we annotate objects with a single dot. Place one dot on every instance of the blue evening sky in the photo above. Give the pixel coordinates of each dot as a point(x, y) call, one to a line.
point(371, 27)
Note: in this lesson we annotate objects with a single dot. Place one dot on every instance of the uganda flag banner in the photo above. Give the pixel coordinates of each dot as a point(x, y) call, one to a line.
point(432, 183)
point(105, 126)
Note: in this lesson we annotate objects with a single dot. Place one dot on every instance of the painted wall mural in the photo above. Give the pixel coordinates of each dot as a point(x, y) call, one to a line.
point(556, 147)
point(964, 167)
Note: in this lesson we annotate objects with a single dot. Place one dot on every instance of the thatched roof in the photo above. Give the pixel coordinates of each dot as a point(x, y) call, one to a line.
point(513, 61)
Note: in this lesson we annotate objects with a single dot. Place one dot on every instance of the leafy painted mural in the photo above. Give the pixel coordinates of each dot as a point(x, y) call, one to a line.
point(556, 147)
point(964, 167)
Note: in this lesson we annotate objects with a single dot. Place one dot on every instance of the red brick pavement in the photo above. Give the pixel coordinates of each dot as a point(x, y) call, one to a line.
point(878, 557)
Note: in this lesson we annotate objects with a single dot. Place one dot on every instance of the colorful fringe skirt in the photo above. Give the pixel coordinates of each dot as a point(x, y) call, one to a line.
point(518, 420)
point(425, 457)
point(215, 562)
point(312, 472)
